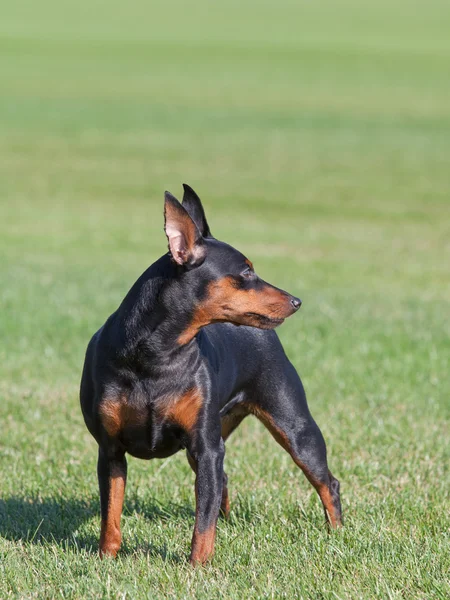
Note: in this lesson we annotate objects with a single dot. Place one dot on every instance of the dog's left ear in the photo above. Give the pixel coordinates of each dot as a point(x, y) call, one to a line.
point(185, 240)
point(193, 205)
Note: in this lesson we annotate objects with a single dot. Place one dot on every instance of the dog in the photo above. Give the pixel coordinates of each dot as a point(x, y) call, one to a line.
point(189, 353)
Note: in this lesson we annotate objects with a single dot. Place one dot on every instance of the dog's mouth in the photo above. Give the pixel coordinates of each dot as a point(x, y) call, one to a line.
point(264, 322)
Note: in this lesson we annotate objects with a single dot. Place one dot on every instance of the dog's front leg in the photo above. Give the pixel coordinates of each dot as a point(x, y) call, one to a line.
point(112, 476)
point(208, 462)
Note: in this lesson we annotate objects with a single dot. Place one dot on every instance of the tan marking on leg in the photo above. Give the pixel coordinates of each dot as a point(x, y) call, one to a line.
point(327, 501)
point(321, 488)
point(225, 503)
point(110, 535)
point(191, 462)
point(203, 545)
point(267, 420)
point(231, 420)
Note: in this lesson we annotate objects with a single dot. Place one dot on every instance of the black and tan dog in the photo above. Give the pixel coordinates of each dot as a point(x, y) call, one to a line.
point(170, 370)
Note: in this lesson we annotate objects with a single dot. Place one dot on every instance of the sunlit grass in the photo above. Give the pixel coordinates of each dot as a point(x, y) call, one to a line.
point(318, 138)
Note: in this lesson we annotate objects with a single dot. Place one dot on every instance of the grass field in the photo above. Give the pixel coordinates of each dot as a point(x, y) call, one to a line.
point(318, 136)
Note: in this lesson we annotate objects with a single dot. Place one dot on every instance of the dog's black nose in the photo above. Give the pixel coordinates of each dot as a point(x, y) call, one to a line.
point(296, 302)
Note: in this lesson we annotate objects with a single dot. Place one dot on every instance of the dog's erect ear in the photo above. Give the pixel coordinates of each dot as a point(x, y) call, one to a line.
point(193, 205)
point(185, 240)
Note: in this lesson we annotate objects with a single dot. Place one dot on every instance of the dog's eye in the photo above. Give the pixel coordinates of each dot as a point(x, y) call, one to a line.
point(248, 273)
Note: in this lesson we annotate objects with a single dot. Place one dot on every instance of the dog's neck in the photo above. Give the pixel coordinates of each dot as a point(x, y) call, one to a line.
point(155, 313)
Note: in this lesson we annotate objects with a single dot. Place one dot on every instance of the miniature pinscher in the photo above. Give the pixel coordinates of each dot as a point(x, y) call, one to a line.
point(189, 353)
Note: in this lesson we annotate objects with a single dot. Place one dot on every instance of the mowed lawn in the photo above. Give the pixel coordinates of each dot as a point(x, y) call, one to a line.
point(318, 136)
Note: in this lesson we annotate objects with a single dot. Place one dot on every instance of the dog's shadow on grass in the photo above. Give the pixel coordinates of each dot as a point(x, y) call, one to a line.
point(48, 520)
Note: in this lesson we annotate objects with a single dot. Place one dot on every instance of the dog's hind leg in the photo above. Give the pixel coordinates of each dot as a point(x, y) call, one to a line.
point(287, 418)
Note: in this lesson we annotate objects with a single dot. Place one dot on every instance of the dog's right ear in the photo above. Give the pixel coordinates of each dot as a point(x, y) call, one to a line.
point(193, 205)
point(185, 240)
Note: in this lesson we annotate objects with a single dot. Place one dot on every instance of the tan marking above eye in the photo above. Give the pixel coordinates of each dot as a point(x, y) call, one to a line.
point(249, 263)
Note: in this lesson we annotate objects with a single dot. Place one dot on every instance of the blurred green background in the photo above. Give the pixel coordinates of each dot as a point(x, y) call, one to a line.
point(318, 137)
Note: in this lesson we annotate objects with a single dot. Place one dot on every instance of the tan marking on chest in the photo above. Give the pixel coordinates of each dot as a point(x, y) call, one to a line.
point(184, 410)
point(116, 414)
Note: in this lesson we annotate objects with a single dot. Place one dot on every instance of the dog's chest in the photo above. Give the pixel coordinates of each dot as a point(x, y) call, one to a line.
point(151, 429)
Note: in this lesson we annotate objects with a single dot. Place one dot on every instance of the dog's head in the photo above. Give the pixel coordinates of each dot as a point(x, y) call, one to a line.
point(229, 290)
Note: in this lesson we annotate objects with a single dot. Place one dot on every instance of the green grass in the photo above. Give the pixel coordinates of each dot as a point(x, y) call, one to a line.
point(318, 136)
